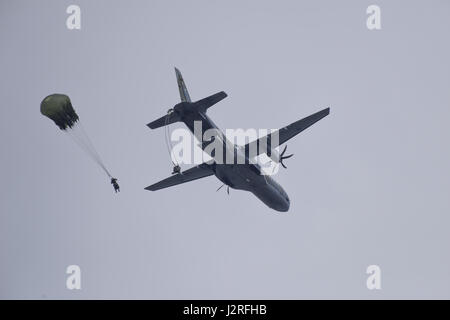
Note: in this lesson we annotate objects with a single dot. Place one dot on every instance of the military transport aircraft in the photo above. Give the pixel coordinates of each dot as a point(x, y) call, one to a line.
point(237, 175)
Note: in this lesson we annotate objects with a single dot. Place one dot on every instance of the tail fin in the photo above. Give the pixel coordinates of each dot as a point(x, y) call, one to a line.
point(172, 117)
point(202, 104)
point(184, 94)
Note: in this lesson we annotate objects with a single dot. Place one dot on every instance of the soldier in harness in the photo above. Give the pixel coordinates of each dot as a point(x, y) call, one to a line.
point(115, 185)
point(176, 169)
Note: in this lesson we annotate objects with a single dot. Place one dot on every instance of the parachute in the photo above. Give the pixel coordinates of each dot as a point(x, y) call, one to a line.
point(58, 108)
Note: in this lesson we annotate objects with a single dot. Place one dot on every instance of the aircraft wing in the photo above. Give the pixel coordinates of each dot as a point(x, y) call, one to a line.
point(264, 144)
point(200, 171)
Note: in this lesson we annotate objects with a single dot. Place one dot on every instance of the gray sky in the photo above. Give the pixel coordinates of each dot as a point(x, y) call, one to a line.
point(368, 185)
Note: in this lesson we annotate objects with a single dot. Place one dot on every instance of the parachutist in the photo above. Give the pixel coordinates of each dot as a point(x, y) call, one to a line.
point(176, 169)
point(58, 108)
point(115, 185)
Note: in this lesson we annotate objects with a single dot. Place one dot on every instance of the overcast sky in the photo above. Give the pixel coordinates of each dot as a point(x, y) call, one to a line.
point(368, 185)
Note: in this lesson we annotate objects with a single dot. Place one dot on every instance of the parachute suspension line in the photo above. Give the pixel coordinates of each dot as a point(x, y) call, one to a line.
point(88, 139)
point(78, 142)
point(79, 135)
point(82, 139)
point(82, 144)
point(167, 137)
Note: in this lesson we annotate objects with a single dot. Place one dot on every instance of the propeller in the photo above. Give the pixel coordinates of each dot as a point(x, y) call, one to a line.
point(282, 157)
point(228, 188)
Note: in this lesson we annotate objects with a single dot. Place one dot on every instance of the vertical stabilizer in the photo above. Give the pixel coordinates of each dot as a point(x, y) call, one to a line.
point(184, 94)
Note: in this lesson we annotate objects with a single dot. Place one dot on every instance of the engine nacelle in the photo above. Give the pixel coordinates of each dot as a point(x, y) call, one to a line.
point(275, 155)
point(278, 157)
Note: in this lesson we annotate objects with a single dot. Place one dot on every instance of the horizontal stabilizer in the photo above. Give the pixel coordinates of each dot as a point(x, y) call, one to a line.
point(164, 121)
point(200, 171)
point(211, 100)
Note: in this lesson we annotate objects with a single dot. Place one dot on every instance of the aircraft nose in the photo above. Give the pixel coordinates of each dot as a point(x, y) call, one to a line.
point(282, 202)
point(286, 203)
point(283, 206)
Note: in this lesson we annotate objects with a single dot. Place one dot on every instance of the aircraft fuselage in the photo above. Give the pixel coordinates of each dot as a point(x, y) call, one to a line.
point(246, 176)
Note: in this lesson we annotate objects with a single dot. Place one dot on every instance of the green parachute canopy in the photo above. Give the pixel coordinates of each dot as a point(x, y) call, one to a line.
point(59, 108)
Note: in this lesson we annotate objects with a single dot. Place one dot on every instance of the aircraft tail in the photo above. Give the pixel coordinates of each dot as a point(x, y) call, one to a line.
point(184, 94)
point(172, 117)
point(201, 105)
